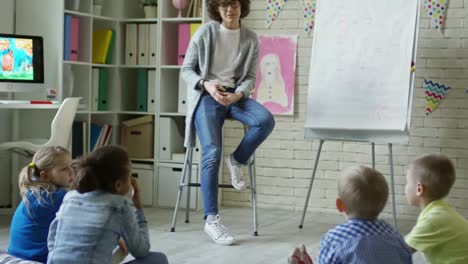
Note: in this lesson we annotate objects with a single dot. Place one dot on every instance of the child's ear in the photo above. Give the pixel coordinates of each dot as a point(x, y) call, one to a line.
point(117, 186)
point(43, 176)
point(420, 189)
point(340, 205)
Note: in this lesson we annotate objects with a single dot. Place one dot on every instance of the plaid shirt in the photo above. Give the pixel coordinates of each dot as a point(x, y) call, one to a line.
point(364, 241)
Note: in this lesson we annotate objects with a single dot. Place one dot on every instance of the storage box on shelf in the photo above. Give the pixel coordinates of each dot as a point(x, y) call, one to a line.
point(143, 173)
point(137, 136)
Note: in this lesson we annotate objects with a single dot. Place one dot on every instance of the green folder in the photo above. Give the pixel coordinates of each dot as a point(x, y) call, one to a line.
point(111, 48)
point(142, 90)
point(102, 90)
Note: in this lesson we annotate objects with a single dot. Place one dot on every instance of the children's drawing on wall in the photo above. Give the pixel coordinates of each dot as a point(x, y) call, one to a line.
point(276, 73)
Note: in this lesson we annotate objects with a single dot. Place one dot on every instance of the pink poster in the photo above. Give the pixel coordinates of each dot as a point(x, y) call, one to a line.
point(276, 73)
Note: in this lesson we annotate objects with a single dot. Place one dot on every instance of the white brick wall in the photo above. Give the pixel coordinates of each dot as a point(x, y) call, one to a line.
point(285, 160)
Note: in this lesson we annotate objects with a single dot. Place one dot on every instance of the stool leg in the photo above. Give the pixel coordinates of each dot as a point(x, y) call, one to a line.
point(181, 187)
point(253, 189)
point(253, 192)
point(189, 168)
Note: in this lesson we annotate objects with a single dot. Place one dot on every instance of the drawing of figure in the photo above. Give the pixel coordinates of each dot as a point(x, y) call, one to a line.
point(7, 62)
point(272, 87)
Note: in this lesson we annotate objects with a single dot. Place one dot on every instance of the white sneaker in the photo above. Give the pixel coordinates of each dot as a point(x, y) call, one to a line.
point(218, 232)
point(237, 175)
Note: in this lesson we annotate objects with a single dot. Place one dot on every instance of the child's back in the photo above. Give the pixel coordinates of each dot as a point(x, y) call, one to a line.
point(30, 225)
point(90, 224)
point(364, 241)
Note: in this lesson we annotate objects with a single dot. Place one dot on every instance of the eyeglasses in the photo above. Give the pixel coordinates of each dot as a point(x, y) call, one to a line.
point(225, 5)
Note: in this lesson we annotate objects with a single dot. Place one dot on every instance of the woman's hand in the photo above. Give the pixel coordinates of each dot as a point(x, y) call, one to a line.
point(231, 98)
point(123, 246)
point(136, 194)
point(216, 91)
point(220, 95)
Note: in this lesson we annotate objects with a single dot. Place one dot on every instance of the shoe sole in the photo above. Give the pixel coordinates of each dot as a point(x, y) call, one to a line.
point(219, 242)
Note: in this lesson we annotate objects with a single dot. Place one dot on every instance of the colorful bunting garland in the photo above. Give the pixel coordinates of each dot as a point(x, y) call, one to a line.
point(273, 10)
point(434, 93)
point(436, 10)
point(309, 8)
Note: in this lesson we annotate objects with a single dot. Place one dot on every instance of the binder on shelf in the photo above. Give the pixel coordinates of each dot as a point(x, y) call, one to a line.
point(102, 90)
point(101, 43)
point(142, 90)
point(184, 39)
point(67, 37)
point(104, 136)
point(151, 91)
point(95, 132)
point(193, 28)
point(170, 138)
point(110, 50)
point(131, 37)
point(108, 133)
point(142, 44)
point(78, 139)
point(182, 98)
point(152, 46)
point(74, 37)
point(94, 89)
point(100, 136)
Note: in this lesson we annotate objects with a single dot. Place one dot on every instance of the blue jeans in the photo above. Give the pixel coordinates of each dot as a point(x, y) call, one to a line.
point(152, 258)
point(209, 119)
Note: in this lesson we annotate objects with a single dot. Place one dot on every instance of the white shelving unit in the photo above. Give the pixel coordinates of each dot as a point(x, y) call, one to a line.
point(116, 14)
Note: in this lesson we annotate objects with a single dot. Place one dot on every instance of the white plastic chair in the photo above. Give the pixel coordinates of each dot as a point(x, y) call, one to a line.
point(61, 129)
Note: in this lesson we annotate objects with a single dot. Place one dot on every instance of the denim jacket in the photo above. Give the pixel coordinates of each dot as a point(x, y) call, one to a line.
point(88, 226)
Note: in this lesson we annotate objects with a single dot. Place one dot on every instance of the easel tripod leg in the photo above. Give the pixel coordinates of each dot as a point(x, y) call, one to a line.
point(311, 183)
point(392, 183)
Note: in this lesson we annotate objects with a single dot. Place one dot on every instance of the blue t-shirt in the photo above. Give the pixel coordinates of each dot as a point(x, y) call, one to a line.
point(29, 230)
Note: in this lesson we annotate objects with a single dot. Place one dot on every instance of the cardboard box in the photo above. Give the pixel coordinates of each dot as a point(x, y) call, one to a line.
point(137, 136)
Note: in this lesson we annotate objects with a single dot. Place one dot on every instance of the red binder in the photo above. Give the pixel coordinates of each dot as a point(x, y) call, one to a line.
point(75, 24)
point(184, 39)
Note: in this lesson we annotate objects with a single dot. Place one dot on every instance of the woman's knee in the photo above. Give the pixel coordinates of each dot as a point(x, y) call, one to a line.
point(267, 122)
point(212, 154)
point(158, 258)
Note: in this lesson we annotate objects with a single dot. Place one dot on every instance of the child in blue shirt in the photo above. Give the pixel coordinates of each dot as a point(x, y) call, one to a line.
point(97, 213)
point(42, 187)
point(363, 238)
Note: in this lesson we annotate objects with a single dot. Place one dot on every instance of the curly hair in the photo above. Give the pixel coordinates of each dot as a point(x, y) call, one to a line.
point(213, 11)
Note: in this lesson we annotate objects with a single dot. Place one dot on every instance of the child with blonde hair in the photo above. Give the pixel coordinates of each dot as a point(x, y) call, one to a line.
point(363, 238)
point(440, 232)
point(97, 213)
point(42, 186)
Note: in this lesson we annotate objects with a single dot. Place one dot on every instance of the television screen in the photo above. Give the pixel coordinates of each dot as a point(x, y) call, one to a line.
point(21, 59)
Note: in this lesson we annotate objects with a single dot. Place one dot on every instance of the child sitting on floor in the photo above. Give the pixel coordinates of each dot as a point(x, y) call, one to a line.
point(440, 232)
point(363, 238)
point(42, 187)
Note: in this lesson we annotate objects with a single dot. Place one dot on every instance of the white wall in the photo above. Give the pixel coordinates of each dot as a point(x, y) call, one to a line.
point(6, 26)
point(6, 16)
point(285, 160)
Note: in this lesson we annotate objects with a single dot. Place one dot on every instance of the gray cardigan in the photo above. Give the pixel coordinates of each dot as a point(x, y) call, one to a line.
point(197, 64)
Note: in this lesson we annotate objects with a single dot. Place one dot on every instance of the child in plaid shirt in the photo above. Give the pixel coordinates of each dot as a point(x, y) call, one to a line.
point(363, 238)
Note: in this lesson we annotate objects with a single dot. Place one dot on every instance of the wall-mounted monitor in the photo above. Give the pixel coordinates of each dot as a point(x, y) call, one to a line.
point(21, 59)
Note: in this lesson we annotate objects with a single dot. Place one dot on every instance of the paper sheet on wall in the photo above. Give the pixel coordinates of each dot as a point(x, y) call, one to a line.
point(359, 76)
